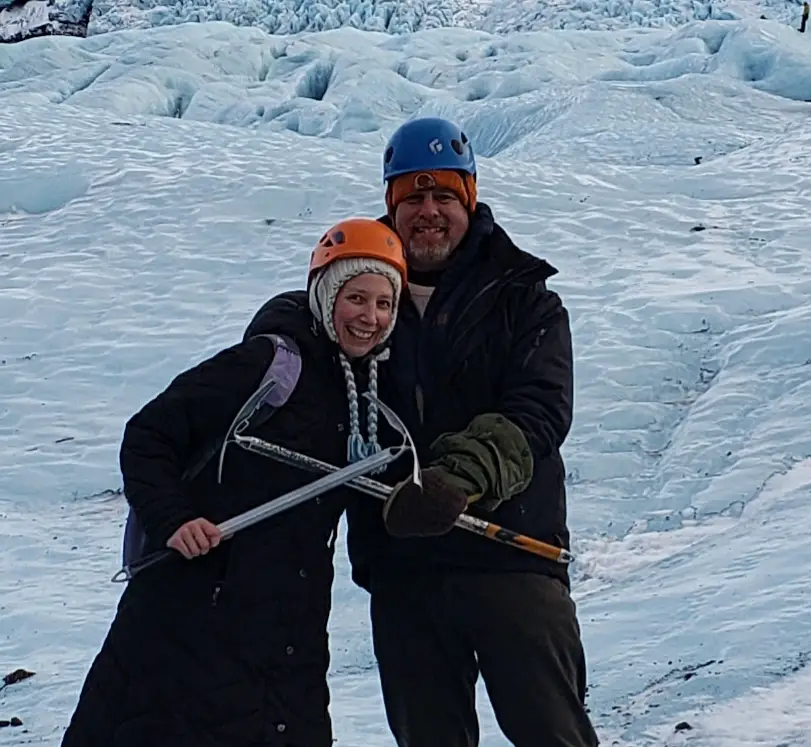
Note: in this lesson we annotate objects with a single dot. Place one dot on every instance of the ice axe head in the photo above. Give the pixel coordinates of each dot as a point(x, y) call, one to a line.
point(408, 442)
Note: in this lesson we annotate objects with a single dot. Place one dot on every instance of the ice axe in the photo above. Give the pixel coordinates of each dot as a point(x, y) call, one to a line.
point(294, 458)
point(382, 491)
point(333, 478)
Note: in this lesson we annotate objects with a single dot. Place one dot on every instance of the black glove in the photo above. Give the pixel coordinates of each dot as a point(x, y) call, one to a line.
point(428, 512)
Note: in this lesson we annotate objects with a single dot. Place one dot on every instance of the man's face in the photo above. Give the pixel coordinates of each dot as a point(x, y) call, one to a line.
point(431, 224)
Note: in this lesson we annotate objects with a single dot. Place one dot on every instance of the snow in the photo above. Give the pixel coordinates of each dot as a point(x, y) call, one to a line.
point(157, 185)
point(355, 85)
point(407, 16)
point(279, 16)
point(534, 15)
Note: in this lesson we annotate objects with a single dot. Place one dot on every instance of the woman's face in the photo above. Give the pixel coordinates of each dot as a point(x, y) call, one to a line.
point(363, 312)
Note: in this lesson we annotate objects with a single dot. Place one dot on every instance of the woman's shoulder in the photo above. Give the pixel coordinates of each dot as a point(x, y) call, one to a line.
point(236, 367)
point(286, 313)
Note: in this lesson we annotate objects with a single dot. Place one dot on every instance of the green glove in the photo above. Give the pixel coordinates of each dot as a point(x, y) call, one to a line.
point(487, 463)
point(491, 456)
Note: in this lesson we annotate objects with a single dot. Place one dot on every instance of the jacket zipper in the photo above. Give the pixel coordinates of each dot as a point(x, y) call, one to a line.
point(418, 397)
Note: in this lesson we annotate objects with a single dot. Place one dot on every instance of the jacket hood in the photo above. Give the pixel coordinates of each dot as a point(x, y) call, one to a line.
point(289, 314)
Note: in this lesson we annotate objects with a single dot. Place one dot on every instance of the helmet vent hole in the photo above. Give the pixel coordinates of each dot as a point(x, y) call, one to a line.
point(388, 155)
point(457, 146)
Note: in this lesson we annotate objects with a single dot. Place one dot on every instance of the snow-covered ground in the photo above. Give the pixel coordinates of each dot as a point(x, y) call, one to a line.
point(667, 173)
point(406, 16)
point(282, 16)
point(507, 16)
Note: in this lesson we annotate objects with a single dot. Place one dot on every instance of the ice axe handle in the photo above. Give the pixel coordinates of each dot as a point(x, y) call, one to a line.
point(509, 537)
point(276, 505)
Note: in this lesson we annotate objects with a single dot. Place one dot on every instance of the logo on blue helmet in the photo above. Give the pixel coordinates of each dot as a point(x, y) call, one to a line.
point(428, 144)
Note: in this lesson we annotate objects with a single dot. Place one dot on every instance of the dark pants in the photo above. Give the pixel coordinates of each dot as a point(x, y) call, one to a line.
point(433, 634)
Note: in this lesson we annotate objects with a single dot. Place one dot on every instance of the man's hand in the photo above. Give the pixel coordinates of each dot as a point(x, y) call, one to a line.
point(195, 537)
point(428, 512)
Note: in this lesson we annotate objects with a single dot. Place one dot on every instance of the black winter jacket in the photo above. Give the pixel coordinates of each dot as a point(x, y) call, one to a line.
point(493, 339)
point(229, 649)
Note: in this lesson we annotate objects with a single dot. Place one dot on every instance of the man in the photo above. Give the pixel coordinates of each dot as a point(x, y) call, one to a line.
point(481, 373)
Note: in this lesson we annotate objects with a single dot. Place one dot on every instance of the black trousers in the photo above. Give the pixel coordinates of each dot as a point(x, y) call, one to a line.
point(433, 635)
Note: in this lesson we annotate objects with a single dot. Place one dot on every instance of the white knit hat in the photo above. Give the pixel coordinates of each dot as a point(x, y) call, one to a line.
point(327, 284)
point(323, 292)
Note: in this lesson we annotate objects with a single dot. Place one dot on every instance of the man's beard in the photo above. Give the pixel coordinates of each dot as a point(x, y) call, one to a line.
point(422, 255)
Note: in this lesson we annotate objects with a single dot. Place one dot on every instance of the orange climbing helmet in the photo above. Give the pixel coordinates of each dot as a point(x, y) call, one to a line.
point(362, 238)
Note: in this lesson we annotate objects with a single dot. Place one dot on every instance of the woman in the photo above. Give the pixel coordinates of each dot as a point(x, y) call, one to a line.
point(229, 647)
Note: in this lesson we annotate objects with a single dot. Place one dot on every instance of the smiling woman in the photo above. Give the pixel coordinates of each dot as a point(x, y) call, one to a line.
point(237, 632)
point(357, 274)
point(363, 313)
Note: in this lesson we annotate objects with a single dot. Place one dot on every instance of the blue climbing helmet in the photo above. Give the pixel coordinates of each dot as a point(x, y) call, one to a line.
point(428, 144)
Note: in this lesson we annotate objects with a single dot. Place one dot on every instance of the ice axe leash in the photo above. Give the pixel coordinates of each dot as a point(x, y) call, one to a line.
point(382, 491)
point(275, 506)
point(295, 459)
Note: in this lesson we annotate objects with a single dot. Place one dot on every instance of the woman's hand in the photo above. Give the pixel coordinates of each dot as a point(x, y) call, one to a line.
point(195, 538)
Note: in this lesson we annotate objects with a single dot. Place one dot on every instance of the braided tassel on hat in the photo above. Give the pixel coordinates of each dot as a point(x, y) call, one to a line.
point(357, 448)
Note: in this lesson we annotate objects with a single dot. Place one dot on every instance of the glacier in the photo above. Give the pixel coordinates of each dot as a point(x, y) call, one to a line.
point(397, 17)
point(158, 184)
